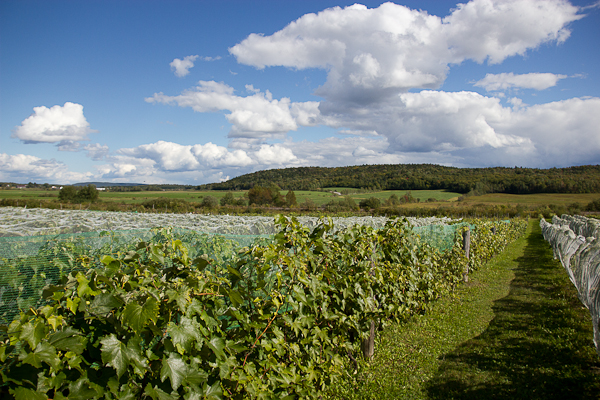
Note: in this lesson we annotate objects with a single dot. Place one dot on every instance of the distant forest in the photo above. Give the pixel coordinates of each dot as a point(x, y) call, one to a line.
point(474, 181)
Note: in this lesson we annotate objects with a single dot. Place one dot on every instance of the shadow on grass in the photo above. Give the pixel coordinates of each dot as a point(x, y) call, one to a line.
point(537, 346)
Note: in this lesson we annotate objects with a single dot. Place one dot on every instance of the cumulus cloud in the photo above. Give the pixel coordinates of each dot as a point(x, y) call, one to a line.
point(371, 54)
point(254, 116)
point(505, 81)
point(150, 162)
point(468, 125)
point(182, 67)
point(23, 167)
point(58, 124)
point(564, 132)
point(495, 30)
point(169, 156)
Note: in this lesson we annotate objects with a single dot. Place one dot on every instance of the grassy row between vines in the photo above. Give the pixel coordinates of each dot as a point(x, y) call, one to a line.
point(516, 331)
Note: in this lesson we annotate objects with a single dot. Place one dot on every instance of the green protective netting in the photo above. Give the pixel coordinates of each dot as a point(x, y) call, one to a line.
point(29, 263)
point(441, 237)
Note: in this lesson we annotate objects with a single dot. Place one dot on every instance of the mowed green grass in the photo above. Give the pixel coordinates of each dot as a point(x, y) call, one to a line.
point(517, 330)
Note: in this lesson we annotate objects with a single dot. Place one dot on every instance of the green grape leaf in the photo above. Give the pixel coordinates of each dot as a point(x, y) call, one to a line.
point(84, 287)
point(213, 392)
point(184, 334)
point(175, 369)
point(137, 316)
point(236, 298)
point(156, 254)
point(68, 339)
point(22, 393)
point(43, 352)
point(83, 389)
point(201, 262)
point(33, 333)
point(115, 354)
point(157, 393)
point(181, 297)
point(217, 344)
point(105, 303)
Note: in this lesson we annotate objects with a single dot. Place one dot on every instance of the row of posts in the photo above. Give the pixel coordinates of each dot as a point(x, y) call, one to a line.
point(368, 344)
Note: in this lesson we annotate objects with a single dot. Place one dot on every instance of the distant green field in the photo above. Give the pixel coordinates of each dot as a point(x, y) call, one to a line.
point(533, 199)
point(321, 197)
point(423, 195)
point(140, 197)
point(318, 198)
point(28, 194)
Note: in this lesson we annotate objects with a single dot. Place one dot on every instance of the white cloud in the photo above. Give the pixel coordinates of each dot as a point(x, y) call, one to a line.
point(505, 81)
point(59, 124)
point(68, 145)
point(96, 151)
point(274, 155)
point(169, 156)
point(435, 121)
point(255, 116)
point(563, 132)
point(175, 162)
point(495, 30)
point(27, 168)
point(371, 54)
point(182, 67)
point(468, 125)
point(211, 58)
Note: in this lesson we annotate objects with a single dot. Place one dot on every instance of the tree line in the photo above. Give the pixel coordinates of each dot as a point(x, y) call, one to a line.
point(581, 179)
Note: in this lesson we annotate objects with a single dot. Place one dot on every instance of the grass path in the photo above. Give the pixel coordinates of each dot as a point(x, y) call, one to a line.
point(516, 331)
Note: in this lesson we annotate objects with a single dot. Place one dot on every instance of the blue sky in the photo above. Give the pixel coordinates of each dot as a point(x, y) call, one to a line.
point(202, 91)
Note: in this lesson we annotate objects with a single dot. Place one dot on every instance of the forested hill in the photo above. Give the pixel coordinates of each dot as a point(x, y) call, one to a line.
point(583, 179)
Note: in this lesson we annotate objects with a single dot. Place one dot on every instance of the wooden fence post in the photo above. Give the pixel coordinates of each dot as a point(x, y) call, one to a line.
point(368, 344)
point(466, 247)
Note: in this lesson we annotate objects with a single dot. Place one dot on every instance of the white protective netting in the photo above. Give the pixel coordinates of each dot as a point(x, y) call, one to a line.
point(574, 241)
point(15, 221)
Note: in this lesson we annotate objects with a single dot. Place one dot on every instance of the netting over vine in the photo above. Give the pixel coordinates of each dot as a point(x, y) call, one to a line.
point(29, 263)
point(574, 241)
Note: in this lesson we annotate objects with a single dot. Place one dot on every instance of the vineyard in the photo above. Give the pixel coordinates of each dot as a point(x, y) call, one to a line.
point(574, 241)
point(174, 313)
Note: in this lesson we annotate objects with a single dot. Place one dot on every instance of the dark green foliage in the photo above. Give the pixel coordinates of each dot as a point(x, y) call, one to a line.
point(67, 193)
point(266, 196)
point(593, 205)
point(209, 202)
point(582, 179)
point(277, 321)
point(85, 194)
point(290, 199)
point(370, 203)
point(227, 200)
point(345, 204)
point(166, 204)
